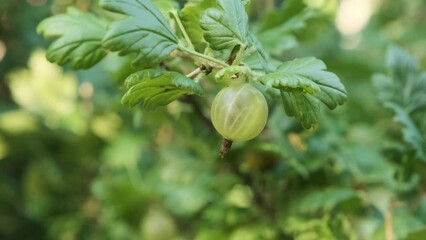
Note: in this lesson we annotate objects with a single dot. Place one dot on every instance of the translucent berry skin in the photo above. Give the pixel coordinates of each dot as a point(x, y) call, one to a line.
point(239, 112)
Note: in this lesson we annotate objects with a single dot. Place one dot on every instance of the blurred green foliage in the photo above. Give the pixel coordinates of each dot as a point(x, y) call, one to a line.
point(76, 164)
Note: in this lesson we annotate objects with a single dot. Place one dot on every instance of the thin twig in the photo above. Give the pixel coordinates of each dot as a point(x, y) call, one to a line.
point(195, 73)
point(198, 70)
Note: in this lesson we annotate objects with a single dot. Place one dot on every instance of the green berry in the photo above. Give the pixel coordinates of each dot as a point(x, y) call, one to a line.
point(239, 112)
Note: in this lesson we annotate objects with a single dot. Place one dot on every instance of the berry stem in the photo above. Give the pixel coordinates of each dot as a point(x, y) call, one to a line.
point(226, 146)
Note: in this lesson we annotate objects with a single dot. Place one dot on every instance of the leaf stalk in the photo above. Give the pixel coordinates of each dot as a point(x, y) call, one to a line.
point(202, 56)
point(182, 29)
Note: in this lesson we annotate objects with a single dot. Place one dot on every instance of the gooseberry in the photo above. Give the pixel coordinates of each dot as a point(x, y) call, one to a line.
point(239, 112)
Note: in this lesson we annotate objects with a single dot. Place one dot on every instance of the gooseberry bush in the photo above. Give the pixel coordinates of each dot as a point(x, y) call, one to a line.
point(212, 36)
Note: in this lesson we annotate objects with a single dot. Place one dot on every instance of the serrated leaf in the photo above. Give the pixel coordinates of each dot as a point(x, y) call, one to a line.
point(303, 107)
point(403, 85)
point(403, 90)
point(308, 75)
point(304, 83)
point(226, 26)
point(78, 38)
point(154, 88)
point(191, 15)
point(399, 63)
point(386, 88)
point(401, 81)
point(144, 32)
point(410, 132)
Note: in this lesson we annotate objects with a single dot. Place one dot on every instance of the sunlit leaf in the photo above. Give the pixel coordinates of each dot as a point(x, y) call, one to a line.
point(44, 89)
point(78, 38)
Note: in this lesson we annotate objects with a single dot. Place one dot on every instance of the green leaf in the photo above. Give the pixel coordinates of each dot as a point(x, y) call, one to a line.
point(144, 32)
point(308, 75)
point(386, 89)
point(280, 38)
point(226, 26)
point(304, 83)
point(166, 6)
point(155, 88)
point(325, 199)
point(411, 134)
point(403, 90)
point(280, 16)
point(78, 38)
point(303, 107)
point(191, 15)
point(260, 52)
point(399, 63)
point(401, 80)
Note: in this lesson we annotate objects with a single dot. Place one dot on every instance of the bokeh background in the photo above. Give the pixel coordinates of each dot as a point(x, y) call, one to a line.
point(76, 164)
